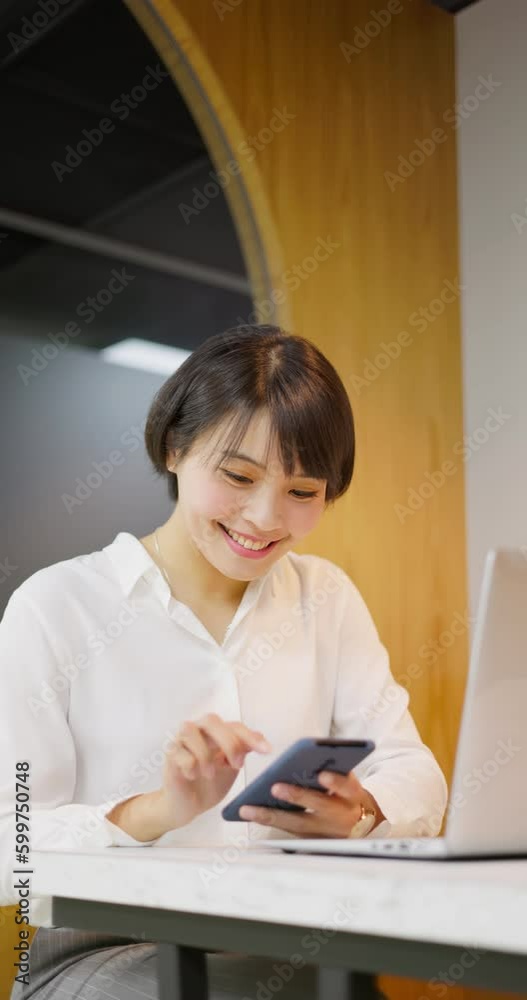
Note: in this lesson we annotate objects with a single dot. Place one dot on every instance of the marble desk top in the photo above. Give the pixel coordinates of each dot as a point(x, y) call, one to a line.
point(473, 904)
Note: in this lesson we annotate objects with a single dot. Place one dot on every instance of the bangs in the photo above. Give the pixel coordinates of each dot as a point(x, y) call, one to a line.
point(298, 432)
point(246, 373)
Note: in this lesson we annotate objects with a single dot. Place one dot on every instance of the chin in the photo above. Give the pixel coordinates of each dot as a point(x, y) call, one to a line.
point(247, 572)
point(216, 558)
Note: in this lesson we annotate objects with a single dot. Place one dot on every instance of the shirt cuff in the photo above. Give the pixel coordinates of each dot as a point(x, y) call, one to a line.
point(397, 822)
point(413, 818)
point(118, 837)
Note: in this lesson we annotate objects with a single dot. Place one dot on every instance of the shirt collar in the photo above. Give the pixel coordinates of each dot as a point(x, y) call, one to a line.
point(131, 561)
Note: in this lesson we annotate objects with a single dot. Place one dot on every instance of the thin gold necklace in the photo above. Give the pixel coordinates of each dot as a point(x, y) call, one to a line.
point(156, 542)
point(163, 570)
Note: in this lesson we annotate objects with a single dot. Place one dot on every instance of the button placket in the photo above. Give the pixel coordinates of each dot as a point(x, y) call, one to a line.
point(240, 782)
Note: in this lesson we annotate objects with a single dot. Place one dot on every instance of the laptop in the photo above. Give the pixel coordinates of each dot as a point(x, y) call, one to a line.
point(486, 814)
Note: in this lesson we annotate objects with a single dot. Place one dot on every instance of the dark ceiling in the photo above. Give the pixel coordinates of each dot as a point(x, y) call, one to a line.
point(64, 67)
point(59, 77)
point(454, 6)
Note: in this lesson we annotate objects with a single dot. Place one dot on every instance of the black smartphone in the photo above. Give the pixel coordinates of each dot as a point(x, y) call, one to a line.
point(299, 765)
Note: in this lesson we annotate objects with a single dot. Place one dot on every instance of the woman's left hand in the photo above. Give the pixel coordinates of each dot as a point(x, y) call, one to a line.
point(332, 813)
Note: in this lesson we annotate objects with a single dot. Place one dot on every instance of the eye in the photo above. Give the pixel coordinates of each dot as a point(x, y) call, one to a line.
point(299, 494)
point(238, 479)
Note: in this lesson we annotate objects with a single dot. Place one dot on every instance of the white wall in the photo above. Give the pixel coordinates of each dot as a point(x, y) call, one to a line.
point(492, 39)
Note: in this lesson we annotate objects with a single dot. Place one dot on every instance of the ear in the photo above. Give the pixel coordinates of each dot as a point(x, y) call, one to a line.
point(172, 460)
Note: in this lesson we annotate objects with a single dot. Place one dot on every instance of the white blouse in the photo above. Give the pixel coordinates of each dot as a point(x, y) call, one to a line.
point(100, 665)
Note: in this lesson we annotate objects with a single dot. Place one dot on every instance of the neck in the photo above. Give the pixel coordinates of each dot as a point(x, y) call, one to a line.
point(190, 573)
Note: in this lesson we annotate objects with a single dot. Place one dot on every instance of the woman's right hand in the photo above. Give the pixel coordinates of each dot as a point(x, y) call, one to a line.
point(202, 762)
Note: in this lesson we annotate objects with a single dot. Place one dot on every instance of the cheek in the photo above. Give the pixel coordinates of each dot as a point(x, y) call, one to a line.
point(303, 518)
point(215, 502)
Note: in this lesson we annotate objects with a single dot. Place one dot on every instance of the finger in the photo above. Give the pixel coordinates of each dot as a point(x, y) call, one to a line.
point(252, 737)
point(190, 737)
point(305, 824)
point(185, 762)
point(347, 786)
point(307, 797)
point(230, 737)
point(224, 737)
point(249, 739)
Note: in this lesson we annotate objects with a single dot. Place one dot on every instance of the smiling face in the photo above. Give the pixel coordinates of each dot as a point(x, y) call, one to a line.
point(250, 496)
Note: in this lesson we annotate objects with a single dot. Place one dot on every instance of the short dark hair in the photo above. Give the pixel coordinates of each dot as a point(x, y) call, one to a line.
point(246, 370)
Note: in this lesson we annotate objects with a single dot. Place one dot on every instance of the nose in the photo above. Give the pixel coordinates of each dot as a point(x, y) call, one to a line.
point(263, 513)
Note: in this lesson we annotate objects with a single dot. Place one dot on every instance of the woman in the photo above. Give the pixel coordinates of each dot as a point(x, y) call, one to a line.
point(148, 682)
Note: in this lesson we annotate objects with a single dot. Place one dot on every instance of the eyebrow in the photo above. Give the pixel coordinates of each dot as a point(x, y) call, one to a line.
point(247, 458)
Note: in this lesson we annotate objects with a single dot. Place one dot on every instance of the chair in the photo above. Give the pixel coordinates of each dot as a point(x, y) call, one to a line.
point(9, 937)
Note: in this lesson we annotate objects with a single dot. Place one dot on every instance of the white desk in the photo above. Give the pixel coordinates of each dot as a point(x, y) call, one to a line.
point(400, 917)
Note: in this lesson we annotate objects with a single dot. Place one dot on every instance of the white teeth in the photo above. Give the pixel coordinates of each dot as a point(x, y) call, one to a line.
point(246, 542)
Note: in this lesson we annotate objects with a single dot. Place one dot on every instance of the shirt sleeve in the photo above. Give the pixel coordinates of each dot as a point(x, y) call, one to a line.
point(29, 659)
point(401, 773)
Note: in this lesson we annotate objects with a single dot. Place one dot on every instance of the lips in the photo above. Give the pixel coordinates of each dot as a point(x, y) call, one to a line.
point(250, 537)
point(241, 550)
